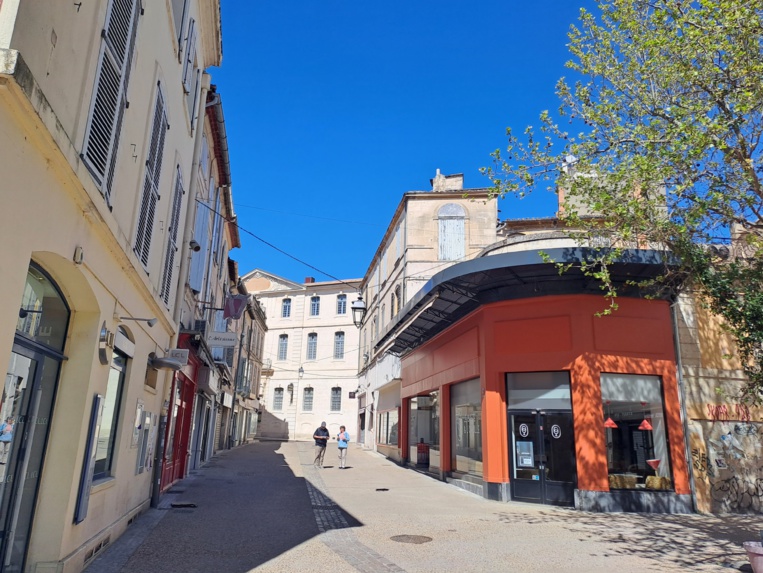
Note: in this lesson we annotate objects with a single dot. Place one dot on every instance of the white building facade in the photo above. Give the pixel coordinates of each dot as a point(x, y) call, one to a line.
point(310, 356)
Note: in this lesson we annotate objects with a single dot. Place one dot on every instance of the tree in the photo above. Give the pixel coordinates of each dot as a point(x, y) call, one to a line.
point(669, 120)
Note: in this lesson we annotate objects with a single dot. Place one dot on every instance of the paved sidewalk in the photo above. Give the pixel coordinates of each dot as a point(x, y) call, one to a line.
point(264, 507)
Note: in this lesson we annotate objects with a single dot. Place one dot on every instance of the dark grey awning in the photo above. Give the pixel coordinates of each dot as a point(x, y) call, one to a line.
point(462, 288)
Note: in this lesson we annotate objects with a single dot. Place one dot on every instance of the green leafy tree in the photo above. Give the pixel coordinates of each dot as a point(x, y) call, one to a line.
point(659, 144)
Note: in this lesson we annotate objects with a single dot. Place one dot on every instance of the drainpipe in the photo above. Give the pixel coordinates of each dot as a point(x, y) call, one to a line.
point(185, 258)
point(682, 402)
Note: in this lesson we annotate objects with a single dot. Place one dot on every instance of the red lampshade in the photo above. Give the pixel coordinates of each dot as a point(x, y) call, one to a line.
point(654, 464)
point(610, 423)
point(645, 425)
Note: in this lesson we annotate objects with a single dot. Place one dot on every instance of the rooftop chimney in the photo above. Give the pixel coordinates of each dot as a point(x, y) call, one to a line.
point(442, 183)
point(309, 280)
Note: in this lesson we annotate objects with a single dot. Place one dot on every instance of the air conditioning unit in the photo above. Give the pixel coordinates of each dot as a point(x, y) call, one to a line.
point(200, 326)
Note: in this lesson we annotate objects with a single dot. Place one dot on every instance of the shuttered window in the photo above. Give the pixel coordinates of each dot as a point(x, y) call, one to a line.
point(189, 62)
point(336, 399)
point(283, 346)
point(451, 218)
point(169, 260)
point(151, 180)
point(201, 236)
point(278, 399)
point(307, 400)
point(110, 93)
point(179, 10)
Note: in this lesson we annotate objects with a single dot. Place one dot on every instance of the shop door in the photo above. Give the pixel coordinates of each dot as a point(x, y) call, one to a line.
point(543, 466)
point(27, 405)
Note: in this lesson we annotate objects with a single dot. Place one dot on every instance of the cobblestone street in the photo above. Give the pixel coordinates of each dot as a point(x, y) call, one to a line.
point(264, 507)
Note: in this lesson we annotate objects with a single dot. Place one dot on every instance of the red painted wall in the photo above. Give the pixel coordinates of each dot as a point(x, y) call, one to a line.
point(552, 334)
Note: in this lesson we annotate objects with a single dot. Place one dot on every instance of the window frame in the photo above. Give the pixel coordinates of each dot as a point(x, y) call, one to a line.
point(335, 404)
point(339, 338)
point(312, 346)
point(308, 392)
point(341, 304)
point(105, 469)
point(286, 308)
point(315, 305)
point(278, 399)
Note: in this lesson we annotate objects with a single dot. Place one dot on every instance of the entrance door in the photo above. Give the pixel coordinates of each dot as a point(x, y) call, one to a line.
point(543, 466)
point(26, 409)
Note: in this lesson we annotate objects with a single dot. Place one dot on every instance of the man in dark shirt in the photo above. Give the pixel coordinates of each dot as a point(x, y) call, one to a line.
point(321, 438)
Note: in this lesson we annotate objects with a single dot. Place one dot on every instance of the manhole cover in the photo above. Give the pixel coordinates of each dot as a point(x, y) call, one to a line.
point(415, 539)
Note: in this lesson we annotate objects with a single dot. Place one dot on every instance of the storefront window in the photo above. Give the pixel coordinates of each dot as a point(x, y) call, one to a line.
point(466, 433)
point(387, 428)
point(634, 422)
point(425, 420)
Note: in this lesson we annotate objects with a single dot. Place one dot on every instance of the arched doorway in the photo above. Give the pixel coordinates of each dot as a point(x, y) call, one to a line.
point(26, 409)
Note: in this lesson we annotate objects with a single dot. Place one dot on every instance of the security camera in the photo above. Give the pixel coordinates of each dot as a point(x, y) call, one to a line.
point(195, 246)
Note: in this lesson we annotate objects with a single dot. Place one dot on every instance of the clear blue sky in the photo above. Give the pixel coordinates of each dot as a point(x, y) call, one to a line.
point(334, 109)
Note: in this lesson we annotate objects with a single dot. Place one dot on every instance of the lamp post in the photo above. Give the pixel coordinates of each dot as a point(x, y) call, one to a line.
point(358, 308)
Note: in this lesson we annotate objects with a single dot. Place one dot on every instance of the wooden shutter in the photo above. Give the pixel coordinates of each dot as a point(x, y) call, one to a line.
point(190, 56)
point(169, 260)
point(179, 11)
point(194, 108)
point(109, 94)
point(151, 181)
point(199, 259)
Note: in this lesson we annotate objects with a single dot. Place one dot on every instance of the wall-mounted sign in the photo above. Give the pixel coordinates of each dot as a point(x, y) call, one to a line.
point(524, 430)
point(222, 339)
point(525, 455)
point(179, 354)
point(556, 431)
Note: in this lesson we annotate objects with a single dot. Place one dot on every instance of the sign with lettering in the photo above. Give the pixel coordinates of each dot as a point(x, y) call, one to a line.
point(222, 339)
point(179, 354)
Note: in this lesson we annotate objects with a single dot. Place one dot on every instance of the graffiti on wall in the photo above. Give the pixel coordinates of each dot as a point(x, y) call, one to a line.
point(726, 412)
point(727, 462)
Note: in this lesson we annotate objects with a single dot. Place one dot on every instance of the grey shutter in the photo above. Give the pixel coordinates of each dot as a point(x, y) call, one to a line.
point(151, 181)
point(169, 260)
point(190, 56)
point(109, 94)
point(194, 109)
point(179, 10)
point(199, 259)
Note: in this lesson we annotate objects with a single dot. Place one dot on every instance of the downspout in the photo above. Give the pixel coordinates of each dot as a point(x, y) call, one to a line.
point(682, 402)
point(185, 257)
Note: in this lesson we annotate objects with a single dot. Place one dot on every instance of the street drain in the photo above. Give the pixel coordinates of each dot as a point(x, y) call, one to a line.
point(182, 504)
point(415, 539)
point(382, 489)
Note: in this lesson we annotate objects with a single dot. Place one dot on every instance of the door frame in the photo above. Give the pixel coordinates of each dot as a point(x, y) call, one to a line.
point(539, 455)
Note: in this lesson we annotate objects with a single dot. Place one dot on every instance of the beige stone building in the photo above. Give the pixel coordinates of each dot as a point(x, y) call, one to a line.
point(429, 232)
point(310, 356)
point(100, 104)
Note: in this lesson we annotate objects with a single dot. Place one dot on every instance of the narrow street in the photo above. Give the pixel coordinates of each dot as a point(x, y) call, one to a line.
point(264, 507)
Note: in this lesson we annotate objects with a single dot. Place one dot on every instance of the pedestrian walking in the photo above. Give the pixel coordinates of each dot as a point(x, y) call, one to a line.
point(343, 439)
point(321, 438)
point(6, 436)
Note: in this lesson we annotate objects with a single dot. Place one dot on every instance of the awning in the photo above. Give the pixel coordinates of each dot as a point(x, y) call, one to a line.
point(462, 288)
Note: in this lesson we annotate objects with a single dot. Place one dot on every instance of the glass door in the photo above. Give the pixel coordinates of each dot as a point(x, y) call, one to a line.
point(26, 409)
point(543, 467)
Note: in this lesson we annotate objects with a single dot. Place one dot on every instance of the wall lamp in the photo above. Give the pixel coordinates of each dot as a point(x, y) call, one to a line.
point(358, 311)
point(149, 321)
point(194, 245)
point(159, 363)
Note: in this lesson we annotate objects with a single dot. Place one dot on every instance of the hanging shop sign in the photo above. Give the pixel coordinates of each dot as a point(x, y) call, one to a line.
point(222, 339)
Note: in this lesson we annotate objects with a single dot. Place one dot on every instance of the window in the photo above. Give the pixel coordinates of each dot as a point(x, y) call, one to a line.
point(466, 427)
point(315, 306)
point(151, 180)
point(307, 400)
point(107, 434)
point(278, 399)
point(189, 61)
point(283, 346)
point(169, 260)
point(386, 430)
point(383, 313)
point(451, 219)
point(339, 345)
point(341, 304)
point(286, 308)
point(312, 345)
point(110, 93)
point(199, 258)
point(179, 11)
point(636, 437)
point(336, 399)
point(398, 300)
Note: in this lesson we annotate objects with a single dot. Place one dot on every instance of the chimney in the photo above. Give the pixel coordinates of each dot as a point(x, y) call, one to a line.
point(442, 183)
point(309, 280)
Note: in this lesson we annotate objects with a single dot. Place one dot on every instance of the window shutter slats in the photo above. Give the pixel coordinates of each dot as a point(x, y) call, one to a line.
point(190, 56)
point(169, 261)
point(151, 182)
point(112, 73)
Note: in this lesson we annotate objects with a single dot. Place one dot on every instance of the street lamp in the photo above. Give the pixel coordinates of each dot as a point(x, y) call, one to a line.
point(358, 311)
point(301, 372)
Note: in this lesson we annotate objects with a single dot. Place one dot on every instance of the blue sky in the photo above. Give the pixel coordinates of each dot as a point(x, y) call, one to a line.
point(334, 109)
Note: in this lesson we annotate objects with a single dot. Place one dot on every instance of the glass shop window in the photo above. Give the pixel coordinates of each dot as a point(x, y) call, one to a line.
point(634, 423)
point(387, 428)
point(466, 427)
